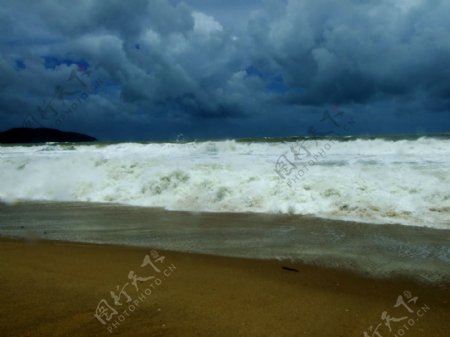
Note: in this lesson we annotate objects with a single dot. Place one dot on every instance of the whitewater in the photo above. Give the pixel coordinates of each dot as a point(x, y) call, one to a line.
point(376, 180)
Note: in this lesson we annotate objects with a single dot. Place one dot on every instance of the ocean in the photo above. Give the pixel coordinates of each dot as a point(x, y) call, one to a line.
point(380, 206)
point(382, 180)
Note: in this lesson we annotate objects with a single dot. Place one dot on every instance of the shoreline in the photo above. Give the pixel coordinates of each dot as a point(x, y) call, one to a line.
point(53, 288)
point(285, 264)
point(381, 251)
point(288, 265)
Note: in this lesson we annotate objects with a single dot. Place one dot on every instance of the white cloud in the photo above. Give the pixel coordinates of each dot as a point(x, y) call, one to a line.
point(151, 37)
point(406, 5)
point(205, 24)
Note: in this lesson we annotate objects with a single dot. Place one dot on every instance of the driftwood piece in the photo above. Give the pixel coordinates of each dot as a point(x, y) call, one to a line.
point(289, 269)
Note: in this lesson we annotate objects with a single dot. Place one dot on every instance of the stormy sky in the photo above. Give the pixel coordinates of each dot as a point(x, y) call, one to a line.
point(155, 69)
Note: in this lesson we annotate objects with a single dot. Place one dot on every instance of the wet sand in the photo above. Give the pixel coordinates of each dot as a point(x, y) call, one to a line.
point(52, 288)
point(378, 250)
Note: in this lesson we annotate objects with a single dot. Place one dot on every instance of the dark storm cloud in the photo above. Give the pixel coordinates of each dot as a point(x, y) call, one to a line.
point(273, 63)
point(357, 51)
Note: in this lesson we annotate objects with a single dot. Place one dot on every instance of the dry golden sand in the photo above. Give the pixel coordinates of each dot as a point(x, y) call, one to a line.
point(52, 289)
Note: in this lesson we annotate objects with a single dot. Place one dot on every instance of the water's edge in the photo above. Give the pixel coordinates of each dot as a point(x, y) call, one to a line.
point(378, 250)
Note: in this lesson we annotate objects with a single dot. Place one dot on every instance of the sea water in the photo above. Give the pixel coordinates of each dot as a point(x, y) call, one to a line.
point(374, 180)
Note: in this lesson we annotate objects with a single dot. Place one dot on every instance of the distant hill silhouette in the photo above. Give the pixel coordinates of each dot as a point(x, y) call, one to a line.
point(41, 135)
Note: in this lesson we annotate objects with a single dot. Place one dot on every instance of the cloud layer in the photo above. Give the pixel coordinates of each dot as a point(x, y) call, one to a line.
point(169, 67)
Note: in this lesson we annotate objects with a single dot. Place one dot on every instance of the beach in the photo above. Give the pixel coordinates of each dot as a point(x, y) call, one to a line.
point(52, 288)
point(183, 239)
point(224, 275)
point(217, 168)
point(380, 251)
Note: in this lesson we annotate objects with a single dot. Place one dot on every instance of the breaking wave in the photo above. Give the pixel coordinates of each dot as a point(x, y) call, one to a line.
point(368, 180)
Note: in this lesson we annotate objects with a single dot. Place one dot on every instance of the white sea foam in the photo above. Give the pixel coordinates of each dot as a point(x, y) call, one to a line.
point(378, 181)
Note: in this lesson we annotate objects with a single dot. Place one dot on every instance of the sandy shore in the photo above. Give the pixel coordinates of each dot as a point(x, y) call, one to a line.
point(379, 250)
point(53, 289)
